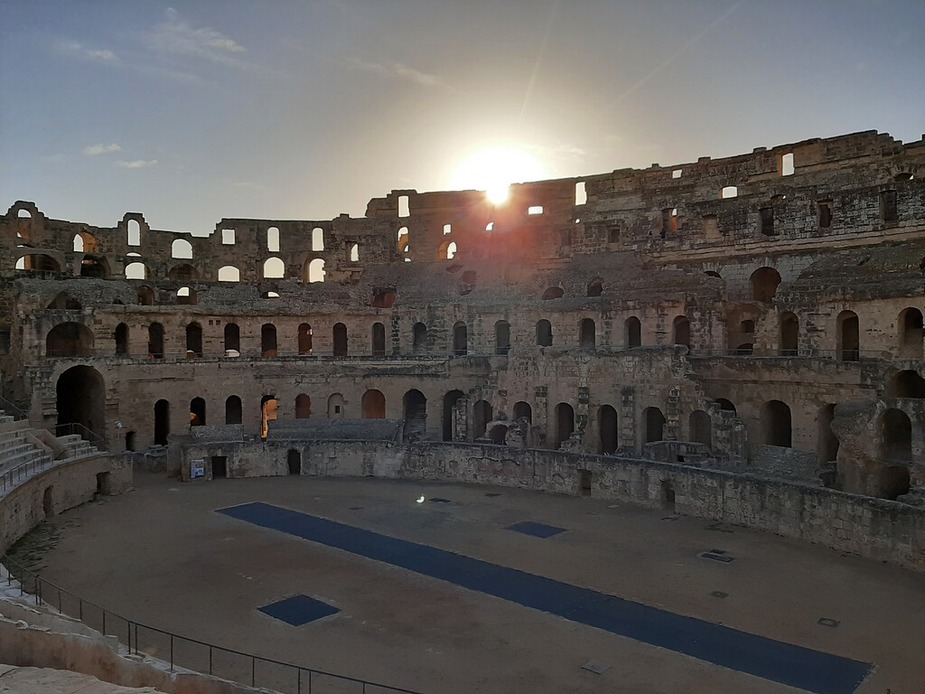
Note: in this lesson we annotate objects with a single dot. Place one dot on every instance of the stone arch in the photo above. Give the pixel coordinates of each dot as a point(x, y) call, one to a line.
point(502, 337)
point(274, 268)
point(450, 401)
point(826, 441)
point(377, 339)
point(315, 271)
point(482, 414)
point(587, 334)
point(156, 341)
point(906, 384)
point(120, 337)
point(161, 422)
point(681, 331)
point(193, 340)
point(232, 339)
point(269, 411)
point(608, 431)
point(460, 339)
point(910, 333)
point(197, 412)
point(789, 334)
point(544, 333)
point(183, 272)
point(849, 336)
point(38, 263)
point(303, 406)
point(896, 453)
point(700, 426)
point(595, 287)
point(419, 338)
point(564, 422)
point(229, 273)
point(765, 281)
point(186, 296)
point(268, 344)
point(776, 424)
point(81, 401)
point(653, 425)
point(94, 266)
point(522, 410)
point(234, 411)
point(373, 404)
point(632, 332)
point(305, 338)
point(414, 409)
point(69, 340)
point(181, 248)
point(726, 406)
point(339, 335)
point(145, 295)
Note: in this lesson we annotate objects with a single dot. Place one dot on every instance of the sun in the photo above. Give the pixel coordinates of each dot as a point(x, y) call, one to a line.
point(494, 169)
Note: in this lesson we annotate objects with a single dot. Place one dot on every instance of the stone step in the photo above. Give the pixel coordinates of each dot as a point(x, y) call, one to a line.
point(13, 451)
point(26, 457)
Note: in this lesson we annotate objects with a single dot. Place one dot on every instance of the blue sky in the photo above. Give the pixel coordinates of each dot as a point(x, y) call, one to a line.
point(304, 109)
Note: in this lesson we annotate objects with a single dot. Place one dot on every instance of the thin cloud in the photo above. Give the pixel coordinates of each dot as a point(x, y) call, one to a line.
point(98, 149)
point(73, 49)
point(399, 71)
point(136, 164)
point(175, 36)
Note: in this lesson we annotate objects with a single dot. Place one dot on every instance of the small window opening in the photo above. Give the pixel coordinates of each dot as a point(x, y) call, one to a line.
point(273, 240)
point(729, 192)
point(710, 226)
point(766, 218)
point(451, 250)
point(888, 207)
point(553, 293)
point(354, 253)
point(447, 229)
point(227, 237)
point(134, 233)
point(676, 173)
point(181, 248)
point(786, 164)
point(316, 270)
point(581, 193)
point(317, 239)
point(490, 226)
point(535, 209)
point(613, 234)
point(595, 287)
point(404, 209)
point(825, 214)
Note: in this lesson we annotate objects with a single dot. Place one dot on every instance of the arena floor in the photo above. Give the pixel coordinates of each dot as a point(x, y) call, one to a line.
point(165, 556)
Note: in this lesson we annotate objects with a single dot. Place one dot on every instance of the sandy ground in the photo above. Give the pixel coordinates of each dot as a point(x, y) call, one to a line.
point(160, 555)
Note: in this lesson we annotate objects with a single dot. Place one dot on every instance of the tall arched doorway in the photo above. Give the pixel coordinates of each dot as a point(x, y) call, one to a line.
point(565, 422)
point(81, 400)
point(161, 422)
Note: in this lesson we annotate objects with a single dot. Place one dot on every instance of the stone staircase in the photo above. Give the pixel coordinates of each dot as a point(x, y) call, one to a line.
point(25, 450)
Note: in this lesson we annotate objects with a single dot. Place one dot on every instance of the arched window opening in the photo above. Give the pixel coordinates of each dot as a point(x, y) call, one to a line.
point(414, 407)
point(789, 335)
point(181, 248)
point(80, 398)
point(729, 192)
point(233, 410)
point(303, 406)
point(765, 281)
point(229, 273)
point(316, 270)
point(136, 271)
point(849, 336)
point(681, 330)
point(607, 428)
point(522, 410)
point(133, 233)
point(69, 340)
point(502, 337)
point(193, 340)
point(544, 333)
point(587, 334)
point(353, 252)
point(460, 339)
point(447, 250)
point(701, 428)
point(274, 268)
point(317, 239)
point(78, 243)
point(273, 240)
point(186, 296)
point(827, 442)
point(653, 424)
point(553, 293)
point(565, 423)
point(383, 298)
point(726, 405)
point(907, 384)
point(121, 338)
point(161, 422)
point(156, 341)
point(268, 345)
point(451, 250)
point(197, 412)
point(481, 415)
point(269, 410)
point(305, 338)
point(340, 340)
point(183, 273)
point(373, 404)
point(232, 335)
point(377, 338)
point(497, 434)
point(632, 329)
point(94, 266)
point(595, 287)
point(419, 338)
point(453, 415)
point(910, 334)
point(776, 424)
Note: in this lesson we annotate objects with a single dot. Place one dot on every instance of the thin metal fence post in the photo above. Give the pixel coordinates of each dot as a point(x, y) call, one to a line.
point(210, 659)
point(171, 651)
point(253, 671)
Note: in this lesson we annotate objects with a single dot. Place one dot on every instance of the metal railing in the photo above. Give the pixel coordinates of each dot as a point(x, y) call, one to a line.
point(12, 409)
point(24, 471)
point(186, 653)
point(83, 432)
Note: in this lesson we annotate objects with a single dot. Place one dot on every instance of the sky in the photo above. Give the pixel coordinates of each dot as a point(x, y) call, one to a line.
point(190, 111)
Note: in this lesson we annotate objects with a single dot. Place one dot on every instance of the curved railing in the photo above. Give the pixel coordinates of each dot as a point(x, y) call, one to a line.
point(186, 653)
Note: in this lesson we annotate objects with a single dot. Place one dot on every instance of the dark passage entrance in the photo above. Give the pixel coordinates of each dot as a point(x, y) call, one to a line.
point(219, 467)
point(294, 462)
point(81, 401)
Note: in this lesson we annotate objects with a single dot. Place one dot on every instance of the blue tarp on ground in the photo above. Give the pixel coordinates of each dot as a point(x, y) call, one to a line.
point(796, 666)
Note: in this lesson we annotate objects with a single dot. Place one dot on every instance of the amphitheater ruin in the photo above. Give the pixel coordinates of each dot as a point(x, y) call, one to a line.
point(738, 339)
